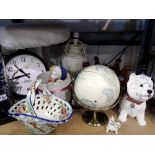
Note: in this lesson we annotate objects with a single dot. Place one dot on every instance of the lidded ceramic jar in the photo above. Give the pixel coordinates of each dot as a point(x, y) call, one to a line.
point(74, 56)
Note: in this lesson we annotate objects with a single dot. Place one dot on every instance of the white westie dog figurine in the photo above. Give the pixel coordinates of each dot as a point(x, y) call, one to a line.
point(113, 125)
point(139, 90)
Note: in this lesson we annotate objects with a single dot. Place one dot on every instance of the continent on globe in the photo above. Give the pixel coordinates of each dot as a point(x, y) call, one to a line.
point(97, 87)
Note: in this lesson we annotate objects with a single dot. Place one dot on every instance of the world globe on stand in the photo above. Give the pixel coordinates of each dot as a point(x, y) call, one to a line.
point(97, 87)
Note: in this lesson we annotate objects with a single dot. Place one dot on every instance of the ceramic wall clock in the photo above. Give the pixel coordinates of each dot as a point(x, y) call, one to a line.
point(22, 68)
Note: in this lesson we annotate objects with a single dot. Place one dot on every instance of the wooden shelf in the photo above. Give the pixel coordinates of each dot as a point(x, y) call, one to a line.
point(77, 127)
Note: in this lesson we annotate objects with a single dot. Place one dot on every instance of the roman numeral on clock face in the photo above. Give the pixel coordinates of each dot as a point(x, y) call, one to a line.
point(38, 64)
point(9, 69)
point(14, 62)
point(8, 77)
point(19, 89)
point(23, 59)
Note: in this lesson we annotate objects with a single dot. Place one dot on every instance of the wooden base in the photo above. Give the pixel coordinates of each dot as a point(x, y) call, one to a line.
point(95, 119)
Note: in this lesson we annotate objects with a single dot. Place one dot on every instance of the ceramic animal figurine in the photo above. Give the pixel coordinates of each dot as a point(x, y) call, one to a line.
point(113, 125)
point(124, 75)
point(96, 60)
point(86, 64)
point(139, 90)
point(116, 67)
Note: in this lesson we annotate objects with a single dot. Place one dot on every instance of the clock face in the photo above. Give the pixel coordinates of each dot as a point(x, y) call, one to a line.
point(22, 70)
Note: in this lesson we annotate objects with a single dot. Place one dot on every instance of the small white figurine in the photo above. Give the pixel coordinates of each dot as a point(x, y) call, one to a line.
point(57, 73)
point(113, 125)
point(139, 90)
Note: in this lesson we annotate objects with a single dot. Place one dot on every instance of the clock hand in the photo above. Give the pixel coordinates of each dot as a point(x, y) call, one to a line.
point(15, 72)
point(22, 71)
point(17, 77)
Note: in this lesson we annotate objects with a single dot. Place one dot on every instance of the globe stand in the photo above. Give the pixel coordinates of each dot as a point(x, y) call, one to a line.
point(94, 118)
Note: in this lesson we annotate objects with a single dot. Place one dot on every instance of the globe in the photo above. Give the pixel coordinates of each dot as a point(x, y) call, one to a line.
point(96, 87)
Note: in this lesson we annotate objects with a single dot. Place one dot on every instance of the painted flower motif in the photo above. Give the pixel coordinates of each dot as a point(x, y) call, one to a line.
point(22, 109)
point(47, 98)
point(35, 126)
point(64, 112)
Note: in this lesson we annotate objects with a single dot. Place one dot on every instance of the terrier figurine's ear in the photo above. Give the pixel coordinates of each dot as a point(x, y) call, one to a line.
point(132, 75)
point(112, 118)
